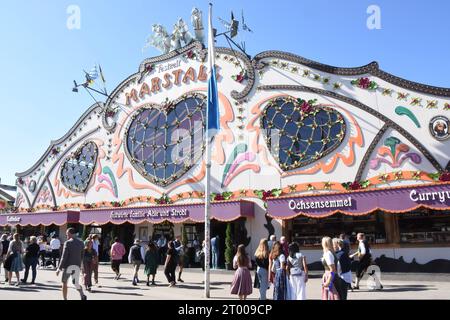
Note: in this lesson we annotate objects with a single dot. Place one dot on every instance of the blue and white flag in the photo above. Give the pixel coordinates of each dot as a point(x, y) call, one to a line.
point(213, 100)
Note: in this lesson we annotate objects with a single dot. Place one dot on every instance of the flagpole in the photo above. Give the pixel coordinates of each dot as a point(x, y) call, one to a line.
point(211, 98)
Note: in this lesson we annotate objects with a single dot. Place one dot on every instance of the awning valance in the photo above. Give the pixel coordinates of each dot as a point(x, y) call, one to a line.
point(175, 213)
point(361, 202)
point(41, 218)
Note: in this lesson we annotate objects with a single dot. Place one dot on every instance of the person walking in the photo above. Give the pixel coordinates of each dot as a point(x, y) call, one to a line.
point(215, 251)
point(70, 263)
point(96, 247)
point(343, 266)
point(297, 270)
point(170, 264)
point(202, 254)
point(179, 247)
point(31, 260)
point(242, 281)
point(42, 242)
point(136, 258)
point(5, 246)
point(55, 246)
point(364, 258)
point(329, 290)
point(117, 253)
point(277, 264)
point(14, 258)
point(151, 262)
point(89, 257)
point(262, 268)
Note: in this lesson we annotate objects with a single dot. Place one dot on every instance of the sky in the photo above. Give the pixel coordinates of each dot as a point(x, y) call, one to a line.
point(40, 56)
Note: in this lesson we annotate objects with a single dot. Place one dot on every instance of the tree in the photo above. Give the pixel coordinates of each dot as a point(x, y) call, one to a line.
point(229, 250)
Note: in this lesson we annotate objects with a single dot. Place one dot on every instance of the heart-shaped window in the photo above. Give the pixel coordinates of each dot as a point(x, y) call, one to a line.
point(299, 133)
point(76, 173)
point(164, 142)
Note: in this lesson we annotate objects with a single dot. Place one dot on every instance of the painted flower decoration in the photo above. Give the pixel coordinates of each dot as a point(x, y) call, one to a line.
point(110, 113)
point(445, 176)
point(263, 194)
point(190, 54)
point(20, 181)
point(149, 67)
point(116, 204)
point(356, 185)
point(163, 200)
point(447, 106)
point(307, 106)
point(240, 77)
point(365, 83)
point(55, 151)
point(221, 196)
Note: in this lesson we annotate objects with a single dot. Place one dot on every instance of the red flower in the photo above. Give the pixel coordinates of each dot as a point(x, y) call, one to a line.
point(445, 176)
point(190, 54)
point(110, 114)
point(149, 68)
point(266, 194)
point(355, 186)
point(364, 83)
point(219, 197)
point(20, 181)
point(306, 107)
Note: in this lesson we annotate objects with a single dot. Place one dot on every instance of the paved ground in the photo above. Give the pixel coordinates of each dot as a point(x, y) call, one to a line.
point(396, 286)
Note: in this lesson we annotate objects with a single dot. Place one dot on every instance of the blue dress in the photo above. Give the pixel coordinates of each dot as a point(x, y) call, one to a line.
point(16, 263)
point(281, 286)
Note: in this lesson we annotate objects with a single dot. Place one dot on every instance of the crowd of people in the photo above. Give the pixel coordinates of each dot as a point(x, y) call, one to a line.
point(283, 266)
point(277, 263)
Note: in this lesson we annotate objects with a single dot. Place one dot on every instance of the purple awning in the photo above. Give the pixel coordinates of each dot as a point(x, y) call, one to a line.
point(394, 200)
point(175, 213)
point(36, 219)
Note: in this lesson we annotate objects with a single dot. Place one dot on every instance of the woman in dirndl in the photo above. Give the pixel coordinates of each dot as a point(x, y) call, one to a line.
point(14, 253)
point(277, 265)
point(242, 281)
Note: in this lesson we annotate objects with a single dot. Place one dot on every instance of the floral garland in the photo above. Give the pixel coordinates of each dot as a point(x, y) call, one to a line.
point(363, 83)
point(439, 177)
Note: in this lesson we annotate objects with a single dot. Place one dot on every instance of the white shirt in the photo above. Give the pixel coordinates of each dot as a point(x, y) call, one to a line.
point(329, 258)
point(55, 244)
point(362, 248)
point(130, 260)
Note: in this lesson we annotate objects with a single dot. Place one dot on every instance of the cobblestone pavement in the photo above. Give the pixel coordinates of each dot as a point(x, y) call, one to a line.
point(396, 286)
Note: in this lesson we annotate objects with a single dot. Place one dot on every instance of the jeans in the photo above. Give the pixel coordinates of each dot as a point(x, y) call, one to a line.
point(95, 268)
point(30, 262)
point(215, 259)
point(263, 276)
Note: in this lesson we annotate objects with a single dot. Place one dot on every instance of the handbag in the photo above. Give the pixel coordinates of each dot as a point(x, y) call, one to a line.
point(256, 283)
point(8, 262)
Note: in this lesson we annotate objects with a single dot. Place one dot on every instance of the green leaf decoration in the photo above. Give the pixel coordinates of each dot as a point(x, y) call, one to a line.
point(365, 184)
point(434, 176)
point(402, 111)
point(259, 193)
point(276, 192)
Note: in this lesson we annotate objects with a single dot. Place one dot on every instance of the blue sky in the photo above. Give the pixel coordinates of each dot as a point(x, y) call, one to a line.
point(40, 56)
